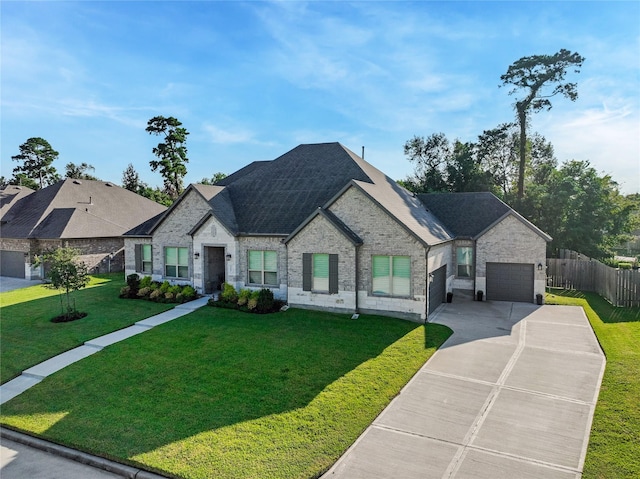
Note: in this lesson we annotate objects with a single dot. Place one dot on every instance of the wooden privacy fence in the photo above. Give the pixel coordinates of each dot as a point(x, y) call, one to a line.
point(621, 287)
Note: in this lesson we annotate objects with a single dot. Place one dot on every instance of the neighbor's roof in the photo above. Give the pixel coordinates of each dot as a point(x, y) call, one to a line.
point(10, 194)
point(469, 215)
point(77, 209)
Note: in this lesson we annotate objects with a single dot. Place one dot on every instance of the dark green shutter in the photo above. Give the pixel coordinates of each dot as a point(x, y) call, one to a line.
point(307, 271)
point(138, 256)
point(333, 273)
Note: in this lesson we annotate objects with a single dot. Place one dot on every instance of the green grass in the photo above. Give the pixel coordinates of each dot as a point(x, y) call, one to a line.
point(29, 337)
point(614, 446)
point(220, 393)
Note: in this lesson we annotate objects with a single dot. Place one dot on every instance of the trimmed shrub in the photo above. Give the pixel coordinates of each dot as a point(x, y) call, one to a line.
point(125, 292)
point(133, 282)
point(169, 295)
point(174, 289)
point(145, 282)
point(164, 287)
point(188, 293)
point(243, 297)
point(229, 294)
point(264, 301)
point(253, 300)
point(144, 292)
point(155, 294)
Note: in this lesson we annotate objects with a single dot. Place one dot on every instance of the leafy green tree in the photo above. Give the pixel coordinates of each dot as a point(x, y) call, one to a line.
point(541, 77)
point(497, 153)
point(429, 156)
point(131, 180)
point(67, 274)
point(157, 195)
point(582, 210)
point(171, 153)
point(464, 170)
point(37, 157)
point(79, 171)
point(214, 179)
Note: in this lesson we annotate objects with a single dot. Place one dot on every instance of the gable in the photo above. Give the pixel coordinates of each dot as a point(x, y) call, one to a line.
point(183, 215)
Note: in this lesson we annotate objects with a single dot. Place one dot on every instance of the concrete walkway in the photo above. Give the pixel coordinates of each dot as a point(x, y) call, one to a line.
point(510, 394)
point(37, 373)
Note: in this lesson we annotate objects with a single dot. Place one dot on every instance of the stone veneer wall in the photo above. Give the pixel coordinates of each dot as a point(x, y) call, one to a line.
point(321, 236)
point(173, 232)
point(263, 243)
point(214, 234)
point(511, 241)
point(382, 235)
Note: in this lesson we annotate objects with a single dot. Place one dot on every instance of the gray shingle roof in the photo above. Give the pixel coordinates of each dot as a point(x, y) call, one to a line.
point(468, 215)
point(77, 209)
point(277, 196)
point(465, 214)
point(10, 194)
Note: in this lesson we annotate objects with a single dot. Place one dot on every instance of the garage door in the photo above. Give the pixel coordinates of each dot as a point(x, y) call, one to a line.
point(437, 288)
point(12, 264)
point(510, 282)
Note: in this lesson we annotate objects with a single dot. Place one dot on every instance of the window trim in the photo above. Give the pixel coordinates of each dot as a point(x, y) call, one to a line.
point(262, 271)
point(391, 276)
point(139, 258)
point(470, 265)
point(307, 273)
point(177, 265)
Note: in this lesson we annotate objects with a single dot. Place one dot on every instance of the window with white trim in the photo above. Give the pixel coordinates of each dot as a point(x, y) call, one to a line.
point(391, 275)
point(263, 267)
point(464, 260)
point(143, 258)
point(176, 262)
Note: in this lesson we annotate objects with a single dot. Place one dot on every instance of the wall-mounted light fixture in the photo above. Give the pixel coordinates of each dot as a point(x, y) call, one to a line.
point(540, 266)
point(196, 255)
point(228, 257)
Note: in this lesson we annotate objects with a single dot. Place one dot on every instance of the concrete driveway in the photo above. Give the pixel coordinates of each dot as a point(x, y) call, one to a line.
point(510, 394)
point(9, 284)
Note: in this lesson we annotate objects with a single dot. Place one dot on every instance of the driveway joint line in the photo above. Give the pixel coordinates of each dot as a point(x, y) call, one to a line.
point(472, 433)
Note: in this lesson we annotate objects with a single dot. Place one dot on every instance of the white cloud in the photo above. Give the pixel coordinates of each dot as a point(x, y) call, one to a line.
point(222, 136)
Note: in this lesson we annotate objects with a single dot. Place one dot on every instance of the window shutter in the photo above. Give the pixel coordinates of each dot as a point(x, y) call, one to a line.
point(333, 273)
point(138, 256)
point(306, 271)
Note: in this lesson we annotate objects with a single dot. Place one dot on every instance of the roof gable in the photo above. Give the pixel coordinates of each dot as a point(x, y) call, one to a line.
point(334, 220)
point(470, 215)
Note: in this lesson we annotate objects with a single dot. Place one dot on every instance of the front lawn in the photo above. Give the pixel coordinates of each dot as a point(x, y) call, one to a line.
point(29, 337)
point(614, 446)
point(221, 393)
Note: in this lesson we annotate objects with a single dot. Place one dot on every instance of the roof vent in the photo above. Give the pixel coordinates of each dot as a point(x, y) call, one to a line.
point(77, 182)
point(108, 184)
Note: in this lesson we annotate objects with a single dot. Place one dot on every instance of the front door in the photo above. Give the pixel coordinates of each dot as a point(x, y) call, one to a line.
point(214, 269)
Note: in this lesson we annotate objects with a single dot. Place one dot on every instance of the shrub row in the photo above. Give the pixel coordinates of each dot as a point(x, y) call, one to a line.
point(156, 291)
point(251, 301)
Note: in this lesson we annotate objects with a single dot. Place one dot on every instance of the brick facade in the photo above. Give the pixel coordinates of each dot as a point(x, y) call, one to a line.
point(511, 241)
point(321, 236)
point(382, 235)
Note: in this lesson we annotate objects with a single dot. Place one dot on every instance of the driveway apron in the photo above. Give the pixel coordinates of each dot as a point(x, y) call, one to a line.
point(510, 394)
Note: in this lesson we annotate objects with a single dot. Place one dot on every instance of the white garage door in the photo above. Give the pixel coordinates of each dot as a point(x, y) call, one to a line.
point(510, 282)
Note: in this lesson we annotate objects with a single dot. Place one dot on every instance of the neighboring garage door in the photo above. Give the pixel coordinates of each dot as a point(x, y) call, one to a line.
point(12, 264)
point(437, 288)
point(510, 282)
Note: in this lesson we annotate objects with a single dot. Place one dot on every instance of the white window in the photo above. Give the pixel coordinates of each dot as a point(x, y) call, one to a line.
point(391, 275)
point(263, 267)
point(176, 262)
point(464, 259)
point(143, 258)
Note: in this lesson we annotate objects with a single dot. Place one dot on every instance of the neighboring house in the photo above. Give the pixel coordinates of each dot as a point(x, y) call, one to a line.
point(90, 216)
point(324, 229)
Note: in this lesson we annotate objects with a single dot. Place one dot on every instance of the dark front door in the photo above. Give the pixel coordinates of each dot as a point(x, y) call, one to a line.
point(214, 268)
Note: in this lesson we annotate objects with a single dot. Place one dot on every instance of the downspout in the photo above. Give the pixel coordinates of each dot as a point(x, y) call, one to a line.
point(356, 280)
point(426, 299)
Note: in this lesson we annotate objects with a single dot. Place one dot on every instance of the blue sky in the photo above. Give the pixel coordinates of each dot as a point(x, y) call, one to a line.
point(252, 80)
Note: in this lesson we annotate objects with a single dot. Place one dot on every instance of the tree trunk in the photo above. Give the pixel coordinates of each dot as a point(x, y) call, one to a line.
point(522, 119)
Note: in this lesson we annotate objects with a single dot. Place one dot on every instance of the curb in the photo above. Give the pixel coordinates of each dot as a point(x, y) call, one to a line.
point(108, 465)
